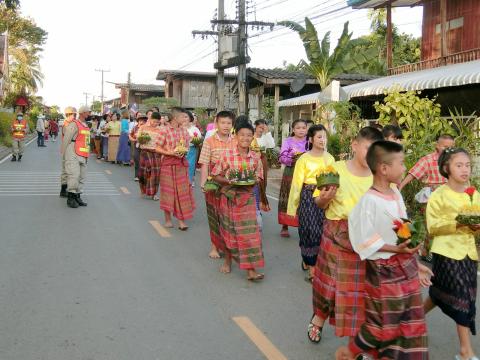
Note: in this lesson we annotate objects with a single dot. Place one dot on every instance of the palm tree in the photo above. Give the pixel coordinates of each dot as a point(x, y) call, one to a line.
point(25, 74)
point(321, 64)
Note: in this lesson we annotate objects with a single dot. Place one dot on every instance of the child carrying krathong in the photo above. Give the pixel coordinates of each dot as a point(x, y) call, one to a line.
point(455, 257)
point(338, 284)
point(237, 172)
point(379, 232)
point(300, 201)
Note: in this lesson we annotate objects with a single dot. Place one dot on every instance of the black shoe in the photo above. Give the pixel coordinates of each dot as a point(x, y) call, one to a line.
point(19, 157)
point(72, 200)
point(79, 200)
point(14, 158)
point(63, 191)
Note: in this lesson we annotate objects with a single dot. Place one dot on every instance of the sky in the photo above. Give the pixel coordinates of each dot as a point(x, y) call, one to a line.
point(144, 36)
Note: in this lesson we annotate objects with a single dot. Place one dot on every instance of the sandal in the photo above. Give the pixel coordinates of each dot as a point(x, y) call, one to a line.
point(314, 332)
point(304, 266)
point(155, 198)
point(309, 278)
point(185, 228)
point(256, 278)
point(284, 233)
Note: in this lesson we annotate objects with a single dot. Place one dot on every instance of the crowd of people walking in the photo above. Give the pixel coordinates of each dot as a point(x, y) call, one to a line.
point(364, 280)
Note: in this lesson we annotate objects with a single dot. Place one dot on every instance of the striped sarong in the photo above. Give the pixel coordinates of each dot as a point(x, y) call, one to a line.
point(454, 289)
point(283, 217)
point(339, 281)
point(175, 191)
point(395, 321)
point(310, 219)
point(239, 228)
point(149, 172)
point(212, 200)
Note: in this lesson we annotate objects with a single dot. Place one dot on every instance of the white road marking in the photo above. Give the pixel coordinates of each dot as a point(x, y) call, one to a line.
point(42, 183)
point(272, 197)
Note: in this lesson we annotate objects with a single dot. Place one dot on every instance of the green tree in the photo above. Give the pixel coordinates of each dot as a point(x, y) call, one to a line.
point(321, 64)
point(25, 41)
point(10, 4)
point(97, 106)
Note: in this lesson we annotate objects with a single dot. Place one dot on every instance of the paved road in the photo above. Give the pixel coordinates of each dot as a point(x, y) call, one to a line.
point(101, 283)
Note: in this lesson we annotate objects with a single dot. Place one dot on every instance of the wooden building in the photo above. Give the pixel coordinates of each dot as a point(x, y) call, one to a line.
point(131, 93)
point(194, 89)
point(450, 31)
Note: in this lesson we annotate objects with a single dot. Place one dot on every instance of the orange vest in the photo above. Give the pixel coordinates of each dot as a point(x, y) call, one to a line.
point(19, 129)
point(82, 142)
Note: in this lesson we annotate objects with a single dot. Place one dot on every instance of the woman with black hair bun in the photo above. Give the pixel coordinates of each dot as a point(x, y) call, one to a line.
point(300, 201)
point(292, 147)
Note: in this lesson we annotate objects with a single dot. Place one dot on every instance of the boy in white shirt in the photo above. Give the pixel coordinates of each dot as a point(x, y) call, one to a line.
point(395, 326)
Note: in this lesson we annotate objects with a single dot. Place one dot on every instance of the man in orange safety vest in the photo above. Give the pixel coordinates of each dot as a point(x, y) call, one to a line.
point(19, 130)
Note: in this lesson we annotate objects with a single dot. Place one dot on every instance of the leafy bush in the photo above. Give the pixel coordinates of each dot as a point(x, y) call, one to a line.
point(5, 124)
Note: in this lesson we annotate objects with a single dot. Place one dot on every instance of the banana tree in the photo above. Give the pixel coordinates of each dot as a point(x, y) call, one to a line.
point(321, 63)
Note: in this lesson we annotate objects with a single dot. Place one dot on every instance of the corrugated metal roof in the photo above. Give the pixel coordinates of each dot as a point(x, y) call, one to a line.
point(364, 4)
point(322, 97)
point(444, 76)
point(140, 87)
point(271, 74)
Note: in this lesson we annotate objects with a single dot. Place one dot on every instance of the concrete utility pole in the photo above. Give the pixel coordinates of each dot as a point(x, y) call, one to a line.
point(102, 98)
point(242, 67)
point(86, 98)
point(240, 60)
point(220, 72)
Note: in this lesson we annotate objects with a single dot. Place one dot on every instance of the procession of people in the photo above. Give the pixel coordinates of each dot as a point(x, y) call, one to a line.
point(365, 276)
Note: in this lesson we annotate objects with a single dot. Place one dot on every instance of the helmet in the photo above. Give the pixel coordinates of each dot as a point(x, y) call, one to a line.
point(70, 110)
point(84, 109)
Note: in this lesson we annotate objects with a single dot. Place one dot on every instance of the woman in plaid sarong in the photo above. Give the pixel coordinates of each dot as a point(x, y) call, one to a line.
point(150, 160)
point(175, 191)
point(239, 228)
point(291, 147)
point(213, 148)
point(338, 284)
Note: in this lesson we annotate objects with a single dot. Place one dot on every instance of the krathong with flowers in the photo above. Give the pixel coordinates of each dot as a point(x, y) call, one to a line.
point(328, 177)
point(180, 149)
point(244, 176)
point(196, 140)
point(211, 185)
point(143, 138)
point(257, 148)
point(413, 230)
point(470, 214)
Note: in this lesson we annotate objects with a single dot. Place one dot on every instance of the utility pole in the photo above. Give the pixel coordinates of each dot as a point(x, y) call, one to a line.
point(220, 72)
point(129, 78)
point(242, 66)
point(240, 59)
point(86, 98)
point(102, 98)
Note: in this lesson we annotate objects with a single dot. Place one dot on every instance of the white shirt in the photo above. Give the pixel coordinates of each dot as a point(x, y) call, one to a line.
point(101, 126)
point(370, 224)
point(266, 141)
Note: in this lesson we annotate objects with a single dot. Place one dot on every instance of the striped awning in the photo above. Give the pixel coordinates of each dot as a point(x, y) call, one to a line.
point(444, 76)
point(373, 4)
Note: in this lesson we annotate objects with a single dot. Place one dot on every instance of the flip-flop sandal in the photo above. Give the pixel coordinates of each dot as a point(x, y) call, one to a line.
point(309, 279)
point(304, 266)
point(284, 234)
point(155, 198)
point(314, 332)
point(256, 278)
point(168, 226)
point(214, 257)
point(185, 228)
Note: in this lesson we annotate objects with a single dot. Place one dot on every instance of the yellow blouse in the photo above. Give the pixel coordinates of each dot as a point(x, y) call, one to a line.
point(306, 170)
point(348, 194)
point(442, 209)
point(114, 128)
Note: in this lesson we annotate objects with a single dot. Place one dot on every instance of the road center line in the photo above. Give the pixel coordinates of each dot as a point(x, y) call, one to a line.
point(124, 190)
point(108, 172)
point(258, 338)
point(160, 229)
point(272, 197)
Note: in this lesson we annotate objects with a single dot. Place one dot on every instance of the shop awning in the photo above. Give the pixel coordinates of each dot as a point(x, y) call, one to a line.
point(364, 4)
point(445, 76)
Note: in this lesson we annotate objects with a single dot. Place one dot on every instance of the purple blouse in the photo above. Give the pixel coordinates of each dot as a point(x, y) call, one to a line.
point(289, 147)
